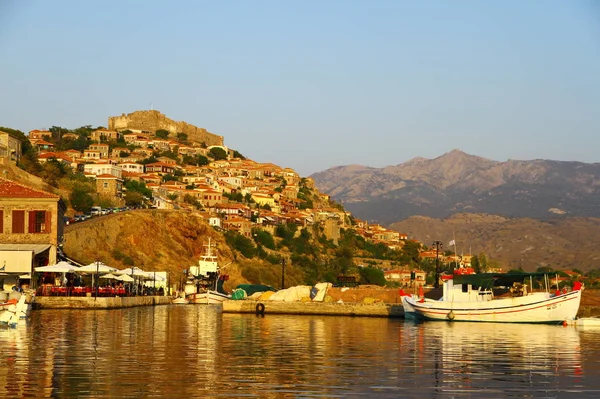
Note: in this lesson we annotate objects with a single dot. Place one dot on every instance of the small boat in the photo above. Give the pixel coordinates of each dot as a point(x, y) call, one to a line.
point(14, 310)
point(204, 284)
point(180, 300)
point(491, 297)
point(587, 322)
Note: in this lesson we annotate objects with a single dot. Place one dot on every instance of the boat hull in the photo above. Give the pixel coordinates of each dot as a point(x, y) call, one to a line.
point(208, 298)
point(533, 308)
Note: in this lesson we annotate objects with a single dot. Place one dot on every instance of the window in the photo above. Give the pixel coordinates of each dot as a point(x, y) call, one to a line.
point(18, 222)
point(105, 185)
point(38, 222)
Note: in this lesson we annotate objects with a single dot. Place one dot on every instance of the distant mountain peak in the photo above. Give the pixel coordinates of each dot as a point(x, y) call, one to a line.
point(459, 182)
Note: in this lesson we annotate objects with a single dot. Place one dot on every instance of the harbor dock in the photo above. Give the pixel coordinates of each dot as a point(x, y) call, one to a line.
point(74, 302)
point(314, 308)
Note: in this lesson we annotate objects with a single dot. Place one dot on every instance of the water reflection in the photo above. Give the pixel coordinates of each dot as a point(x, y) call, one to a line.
point(197, 352)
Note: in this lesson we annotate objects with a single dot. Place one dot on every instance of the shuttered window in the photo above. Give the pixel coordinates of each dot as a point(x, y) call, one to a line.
point(38, 222)
point(18, 222)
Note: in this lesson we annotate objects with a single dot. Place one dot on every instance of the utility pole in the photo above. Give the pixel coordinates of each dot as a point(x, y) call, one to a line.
point(438, 246)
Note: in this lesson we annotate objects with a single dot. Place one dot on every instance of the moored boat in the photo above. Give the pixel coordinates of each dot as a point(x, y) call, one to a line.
point(14, 310)
point(205, 281)
point(490, 297)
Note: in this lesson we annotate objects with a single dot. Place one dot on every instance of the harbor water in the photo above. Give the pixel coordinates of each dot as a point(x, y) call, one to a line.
point(196, 351)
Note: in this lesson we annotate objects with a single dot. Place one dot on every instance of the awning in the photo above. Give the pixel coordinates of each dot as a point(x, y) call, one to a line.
point(36, 248)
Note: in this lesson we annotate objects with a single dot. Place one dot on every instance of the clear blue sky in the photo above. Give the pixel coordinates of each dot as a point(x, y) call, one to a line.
point(315, 84)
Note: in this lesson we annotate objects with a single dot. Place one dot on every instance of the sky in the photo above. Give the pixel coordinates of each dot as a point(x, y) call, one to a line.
point(317, 84)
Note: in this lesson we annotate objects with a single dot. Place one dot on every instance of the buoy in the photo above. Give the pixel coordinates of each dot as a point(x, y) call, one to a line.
point(565, 323)
point(260, 309)
point(450, 316)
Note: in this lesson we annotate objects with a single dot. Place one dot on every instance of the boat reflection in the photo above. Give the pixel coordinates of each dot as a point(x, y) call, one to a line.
point(463, 355)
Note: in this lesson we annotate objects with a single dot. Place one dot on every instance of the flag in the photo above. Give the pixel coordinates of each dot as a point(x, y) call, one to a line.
point(452, 243)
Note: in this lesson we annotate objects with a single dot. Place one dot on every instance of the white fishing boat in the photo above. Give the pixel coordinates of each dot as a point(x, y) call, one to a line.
point(506, 298)
point(204, 284)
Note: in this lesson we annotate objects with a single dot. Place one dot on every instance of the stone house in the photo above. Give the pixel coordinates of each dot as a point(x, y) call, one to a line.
point(10, 147)
point(105, 135)
point(109, 186)
point(241, 225)
point(91, 154)
point(31, 229)
point(103, 149)
point(39, 134)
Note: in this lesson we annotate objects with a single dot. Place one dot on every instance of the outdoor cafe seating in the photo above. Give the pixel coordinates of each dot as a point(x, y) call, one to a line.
point(49, 290)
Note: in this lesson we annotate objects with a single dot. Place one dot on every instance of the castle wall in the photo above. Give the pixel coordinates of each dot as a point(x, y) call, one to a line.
point(152, 121)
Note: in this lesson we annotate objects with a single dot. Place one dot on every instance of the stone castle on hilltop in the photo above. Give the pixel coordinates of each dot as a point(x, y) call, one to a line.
point(151, 121)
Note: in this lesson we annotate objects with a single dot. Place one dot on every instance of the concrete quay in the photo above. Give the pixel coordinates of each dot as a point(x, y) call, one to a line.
point(73, 302)
point(314, 308)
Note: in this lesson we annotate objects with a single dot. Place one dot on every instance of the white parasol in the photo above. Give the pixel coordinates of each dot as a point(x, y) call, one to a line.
point(60, 267)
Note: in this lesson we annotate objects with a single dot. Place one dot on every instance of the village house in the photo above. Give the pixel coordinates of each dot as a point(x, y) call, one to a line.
point(73, 154)
point(10, 147)
point(103, 169)
point(160, 167)
point(103, 149)
point(69, 136)
point(131, 138)
point(131, 167)
point(233, 209)
point(120, 152)
point(109, 186)
point(241, 225)
point(39, 135)
point(167, 160)
point(105, 135)
point(91, 155)
point(31, 229)
point(42, 145)
point(408, 278)
point(263, 199)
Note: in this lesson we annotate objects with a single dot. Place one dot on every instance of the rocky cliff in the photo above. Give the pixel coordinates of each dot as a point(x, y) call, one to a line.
point(153, 120)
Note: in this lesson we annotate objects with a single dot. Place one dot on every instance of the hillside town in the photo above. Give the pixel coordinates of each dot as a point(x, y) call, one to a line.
point(135, 166)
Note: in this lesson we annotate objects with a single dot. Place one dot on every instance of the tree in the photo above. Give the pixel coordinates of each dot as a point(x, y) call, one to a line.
point(236, 154)
point(133, 185)
point(182, 136)
point(217, 153)
point(371, 275)
point(263, 238)
point(80, 200)
point(133, 198)
point(162, 133)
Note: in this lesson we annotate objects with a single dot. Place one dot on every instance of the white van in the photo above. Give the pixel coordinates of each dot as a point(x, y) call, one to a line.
point(96, 210)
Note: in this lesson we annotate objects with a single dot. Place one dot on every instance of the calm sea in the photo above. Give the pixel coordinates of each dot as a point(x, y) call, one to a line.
point(195, 351)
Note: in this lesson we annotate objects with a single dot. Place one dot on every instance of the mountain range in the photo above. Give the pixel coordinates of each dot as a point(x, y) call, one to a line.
point(457, 182)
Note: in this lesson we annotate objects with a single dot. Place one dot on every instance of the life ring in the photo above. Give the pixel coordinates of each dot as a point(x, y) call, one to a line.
point(260, 309)
point(450, 315)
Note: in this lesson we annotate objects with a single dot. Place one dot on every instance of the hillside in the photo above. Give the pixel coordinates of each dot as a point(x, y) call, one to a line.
point(149, 239)
point(457, 182)
point(562, 243)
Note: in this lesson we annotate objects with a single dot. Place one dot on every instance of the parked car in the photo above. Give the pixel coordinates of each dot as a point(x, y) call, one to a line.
point(96, 210)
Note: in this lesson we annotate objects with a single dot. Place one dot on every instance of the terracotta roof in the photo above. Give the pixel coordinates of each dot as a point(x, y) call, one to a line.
point(10, 189)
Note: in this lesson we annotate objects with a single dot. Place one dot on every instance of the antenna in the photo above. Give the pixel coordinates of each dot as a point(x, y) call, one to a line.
point(151, 107)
